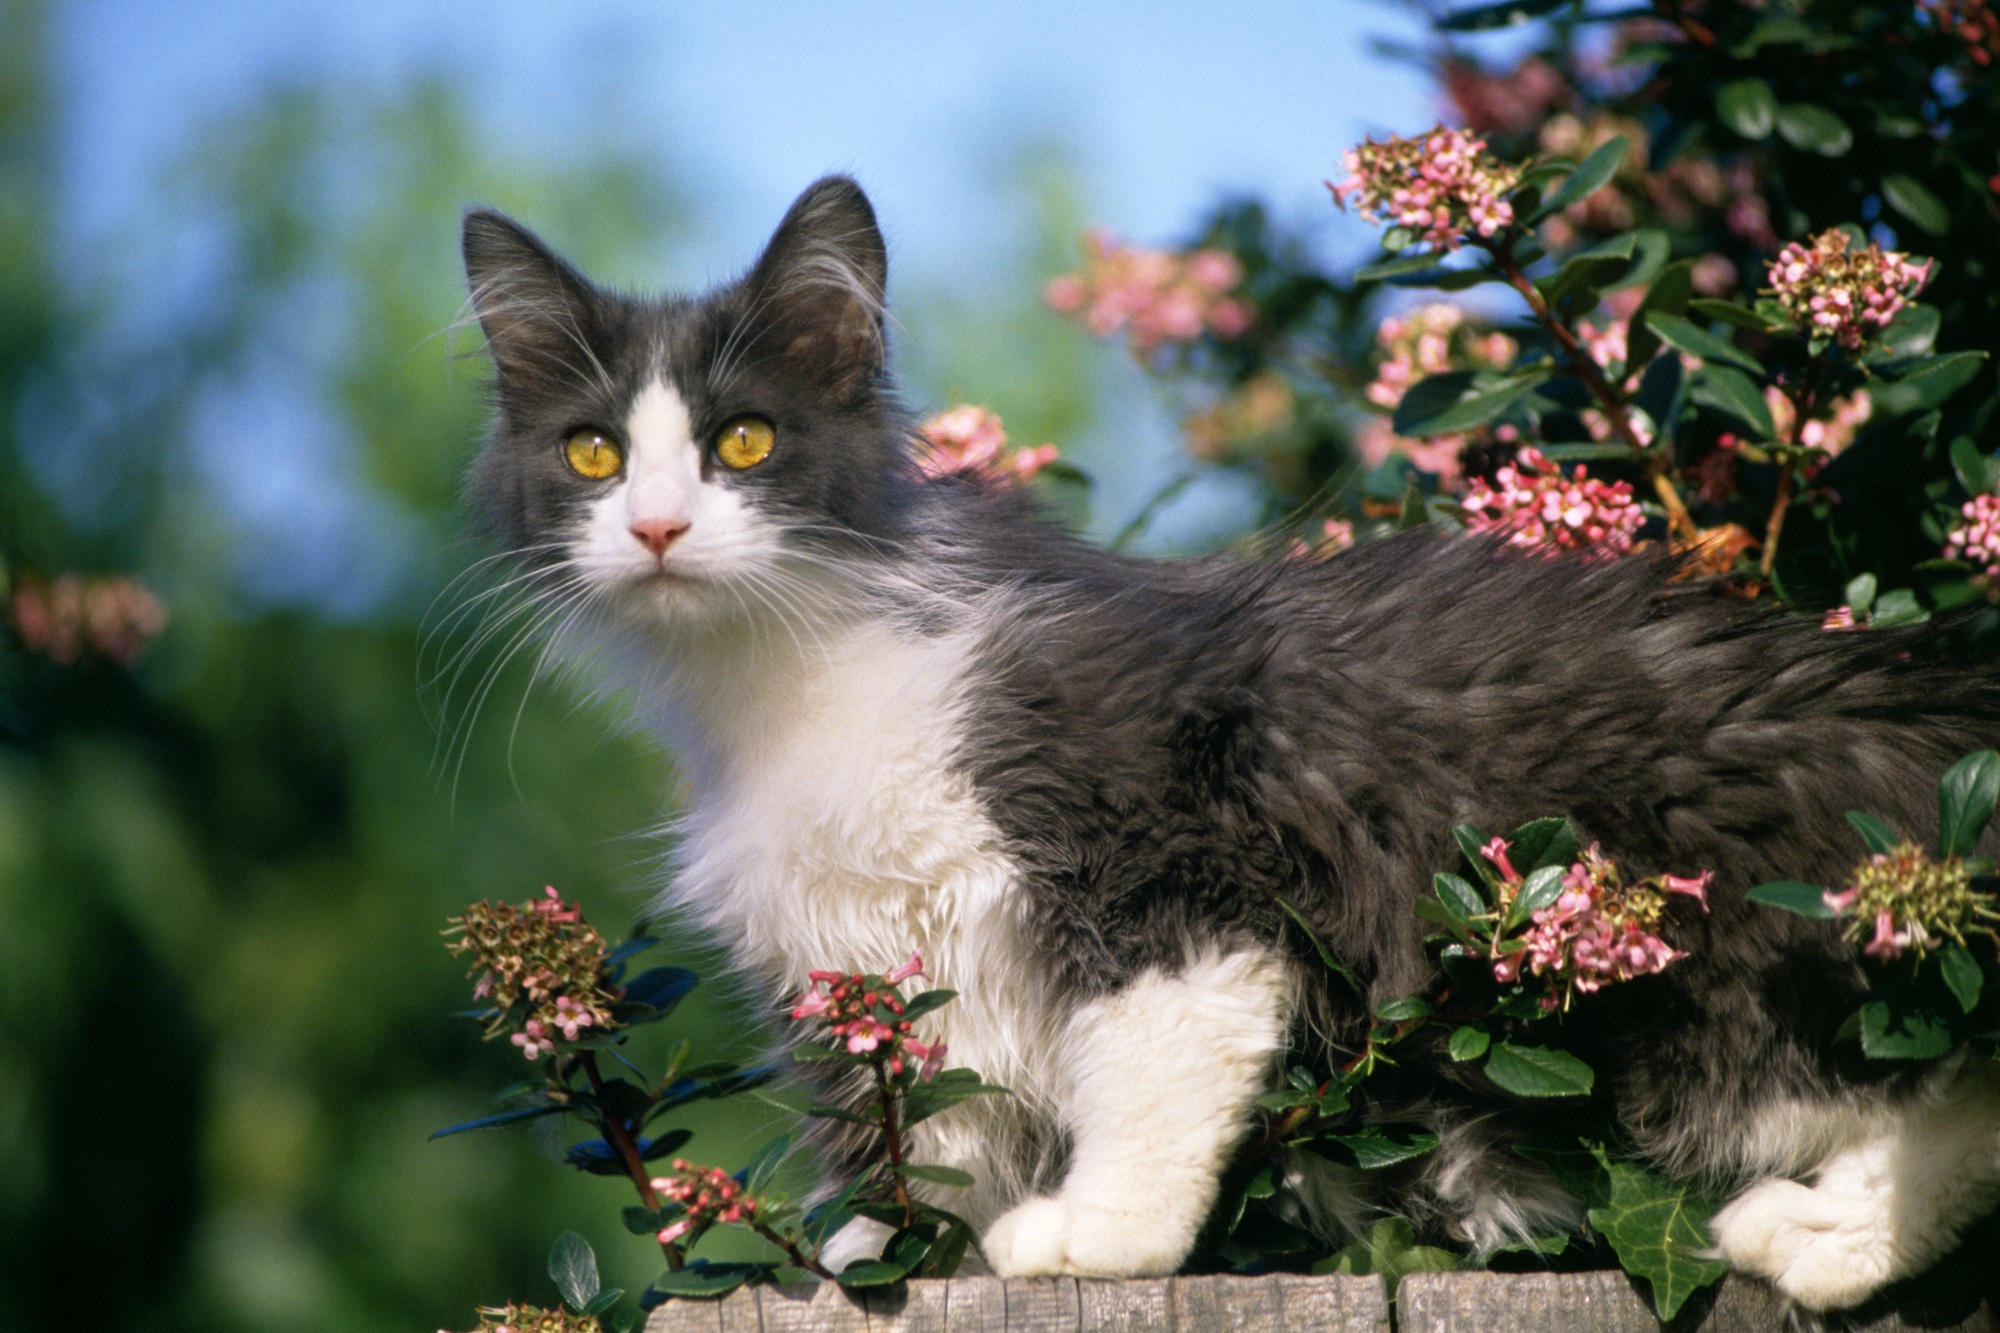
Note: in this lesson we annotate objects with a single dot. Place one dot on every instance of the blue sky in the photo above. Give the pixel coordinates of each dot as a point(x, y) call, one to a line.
point(1169, 105)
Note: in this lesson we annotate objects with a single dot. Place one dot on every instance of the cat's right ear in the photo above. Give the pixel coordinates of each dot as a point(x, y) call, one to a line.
point(533, 308)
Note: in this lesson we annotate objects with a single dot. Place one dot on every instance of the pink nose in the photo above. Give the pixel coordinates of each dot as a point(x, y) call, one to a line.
point(657, 534)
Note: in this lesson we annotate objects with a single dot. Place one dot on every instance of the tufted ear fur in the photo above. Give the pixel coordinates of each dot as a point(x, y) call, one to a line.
point(536, 310)
point(819, 287)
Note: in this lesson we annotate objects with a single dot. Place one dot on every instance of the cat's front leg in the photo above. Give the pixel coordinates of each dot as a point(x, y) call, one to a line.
point(1161, 1078)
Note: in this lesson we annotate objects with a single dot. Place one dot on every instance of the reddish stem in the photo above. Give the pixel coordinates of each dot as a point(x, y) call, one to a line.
point(620, 1136)
point(892, 1141)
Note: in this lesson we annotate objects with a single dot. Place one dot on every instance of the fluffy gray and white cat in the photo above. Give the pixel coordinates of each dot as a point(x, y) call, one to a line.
point(910, 713)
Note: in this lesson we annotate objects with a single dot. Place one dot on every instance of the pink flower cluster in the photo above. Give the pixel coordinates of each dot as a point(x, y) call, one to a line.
point(863, 1014)
point(1975, 539)
point(1903, 899)
point(1444, 186)
point(1159, 297)
point(970, 439)
point(1842, 293)
point(74, 617)
point(1537, 507)
point(1600, 930)
point(709, 1194)
point(542, 967)
point(1427, 340)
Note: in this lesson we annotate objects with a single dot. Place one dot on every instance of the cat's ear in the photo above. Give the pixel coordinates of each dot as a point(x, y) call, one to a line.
point(533, 307)
point(820, 286)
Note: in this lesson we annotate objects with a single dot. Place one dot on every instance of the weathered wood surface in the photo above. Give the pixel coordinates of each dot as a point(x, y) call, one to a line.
point(1425, 1303)
point(1044, 1305)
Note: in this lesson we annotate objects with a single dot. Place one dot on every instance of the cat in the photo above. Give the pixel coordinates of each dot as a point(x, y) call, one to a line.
point(908, 712)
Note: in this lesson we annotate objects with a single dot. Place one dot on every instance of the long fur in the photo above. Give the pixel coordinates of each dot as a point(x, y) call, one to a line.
point(912, 714)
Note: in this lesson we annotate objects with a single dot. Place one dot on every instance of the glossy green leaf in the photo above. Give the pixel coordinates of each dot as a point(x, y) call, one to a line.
point(1658, 1228)
point(1397, 267)
point(1793, 896)
point(1966, 796)
point(1404, 1008)
point(1749, 107)
point(1977, 473)
point(1470, 840)
point(573, 1268)
point(1537, 1071)
point(1903, 1032)
point(765, 1162)
point(919, 1005)
point(1540, 889)
point(1732, 393)
point(705, 1278)
point(504, 1118)
point(936, 1175)
point(1911, 333)
point(1879, 836)
point(1670, 293)
point(1469, 1043)
point(1458, 400)
point(1927, 384)
point(864, 1273)
point(1691, 337)
point(1590, 176)
point(1333, 965)
point(1860, 593)
point(1377, 1146)
point(1914, 200)
point(1583, 276)
point(1814, 129)
point(1962, 976)
point(1458, 896)
point(1729, 312)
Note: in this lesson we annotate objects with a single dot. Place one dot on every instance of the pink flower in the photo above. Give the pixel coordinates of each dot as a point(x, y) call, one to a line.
point(1443, 186)
point(1975, 539)
point(1840, 617)
point(1537, 508)
point(1695, 888)
point(1841, 293)
point(913, 968)
point(1160, 298)
point(970, 439)
point(1496, 852)
point(1888, 942)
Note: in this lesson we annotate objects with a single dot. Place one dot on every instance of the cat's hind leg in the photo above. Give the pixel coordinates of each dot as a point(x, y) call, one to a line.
point(1161, 1078)
point(1880, 1209)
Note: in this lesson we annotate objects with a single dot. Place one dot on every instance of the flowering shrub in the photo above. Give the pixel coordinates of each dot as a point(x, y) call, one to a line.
point(1156, 297)
point(1535, 506)
point(1442, 186)
point(1841, 293)
point(74, 618)
point(968, 438)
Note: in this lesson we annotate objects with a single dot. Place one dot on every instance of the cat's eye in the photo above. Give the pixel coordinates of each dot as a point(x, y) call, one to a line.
point(591, 453)
point(745, 442)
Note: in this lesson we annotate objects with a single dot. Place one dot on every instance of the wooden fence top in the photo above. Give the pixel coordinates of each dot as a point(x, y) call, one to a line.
point(1425, 1303)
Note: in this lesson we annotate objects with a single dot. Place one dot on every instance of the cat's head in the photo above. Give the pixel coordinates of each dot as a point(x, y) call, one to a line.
point(691, 458)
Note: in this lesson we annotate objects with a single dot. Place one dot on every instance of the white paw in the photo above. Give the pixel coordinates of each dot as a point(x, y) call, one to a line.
point(1047, 1236)
point(1820, 1254)
point(863, 1238)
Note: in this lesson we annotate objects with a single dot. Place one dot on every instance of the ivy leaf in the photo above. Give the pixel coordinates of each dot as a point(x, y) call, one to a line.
point(1962, 976)
point(573, 1266)
point(1390, 1249)
point(1658, 1229)
point(1966, 796)
point(1879, 836)
point(1537, 1071)
point(1804, 899)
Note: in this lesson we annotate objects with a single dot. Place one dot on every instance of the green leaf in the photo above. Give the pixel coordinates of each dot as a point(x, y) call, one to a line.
point(864, 1273)
point(1730, 391)
point(1470, 840)
point(1749, 107)
point(1538, 890)
point(1690, 337)
point(1578, 1167)
point(1879, 836)
point(1793, 896)
point(1912, 332)
point(1589, 176)
point(660, 989)
point(1392, 268)
point(1391, 1250)
point(1333, 965)
point(936, 1175)
point(573, 1266)
point(1978, 473)
point(1377, 1146)
point(1588, 270)
point(504, 1118)
point(1404, 1008)
point(1457, 400)
point(645, 1221)
point(1813, 129)
point(1542, 842)
point(919, 1005)
point(1537, 1071)
point(1659, 1229)
point(829, 1217)
point(925, 1099)
point(1459, 897)
point(765, 1162)
point(1729, 312)
point(1895, 1032)
point(1966, 796)
point(1669, 294)
point(1962, 976)
point(1914, 201)
point(1927, 384)
point(603, 1301)
point(1469, 1043)
point(1860, 593)
point(1898, 606)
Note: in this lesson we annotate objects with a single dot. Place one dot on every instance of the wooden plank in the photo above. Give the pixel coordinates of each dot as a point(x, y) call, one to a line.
point(1340, 1304)
point(1039, 1304)
point(1107, 1306)
point(1238, 1304)
point(909, 1307)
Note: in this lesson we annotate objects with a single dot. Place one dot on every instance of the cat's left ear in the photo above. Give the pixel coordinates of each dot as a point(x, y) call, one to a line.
point(821, 283)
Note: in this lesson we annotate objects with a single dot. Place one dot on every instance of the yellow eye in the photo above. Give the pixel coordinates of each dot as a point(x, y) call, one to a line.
point(592, 454)
point(745, 442)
